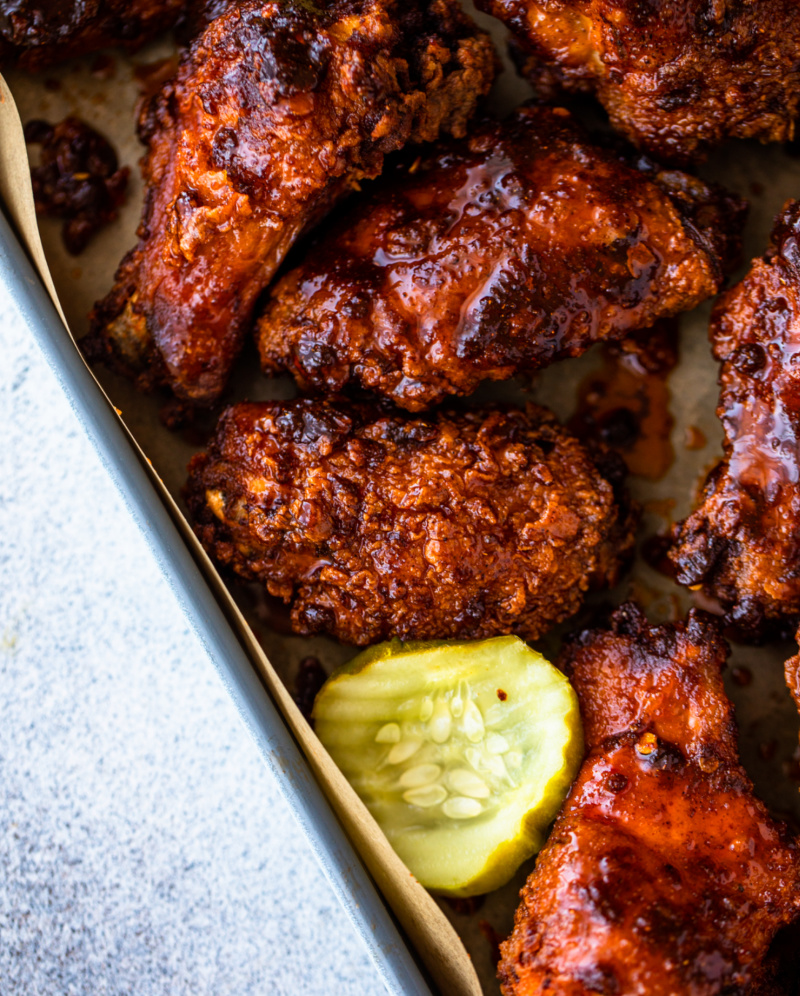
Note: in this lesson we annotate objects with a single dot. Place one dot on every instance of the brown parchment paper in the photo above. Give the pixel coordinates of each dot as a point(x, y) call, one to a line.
point(456, 946)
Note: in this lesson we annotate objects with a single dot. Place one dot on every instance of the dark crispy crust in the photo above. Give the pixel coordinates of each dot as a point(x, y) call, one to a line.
point(493, 256)
point(35, 34)
point(276, 110)
point(376, 525)
point(743, 542)
point(675, 76)
point(663, 874)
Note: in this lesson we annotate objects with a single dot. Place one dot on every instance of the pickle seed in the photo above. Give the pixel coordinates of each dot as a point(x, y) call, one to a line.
point(467, 783)
point(473, 722)
point(426, 709)
point(420, 774)
point(495, 765)
point(497, 744)
point(429, 795)
point(403, 751)
point(457, 705)
point(441, 722)
point(513, 759)
point(458, 807)
point(473, 755)
point(388, 734)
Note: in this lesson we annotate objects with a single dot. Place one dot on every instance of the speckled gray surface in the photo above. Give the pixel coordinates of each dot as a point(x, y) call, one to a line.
point(144, 848)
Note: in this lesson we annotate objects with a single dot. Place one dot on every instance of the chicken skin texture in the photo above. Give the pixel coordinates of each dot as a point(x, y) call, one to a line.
point(35, 34)
point(494, 256)
point(375, 524)
point(743, 542)
point(675, 76)
point(663, 874)
point(276, 111)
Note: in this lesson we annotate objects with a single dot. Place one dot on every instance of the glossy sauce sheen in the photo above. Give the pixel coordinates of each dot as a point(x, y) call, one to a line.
point(374, 524)
point(675, 76)
point(663, 874)
point(276, 110)
point(521, 245)
point(743, 542)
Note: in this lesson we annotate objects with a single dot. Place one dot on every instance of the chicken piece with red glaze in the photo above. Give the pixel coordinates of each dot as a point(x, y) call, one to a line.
point(495, 256)
point(276, 111)
point(742, 544)
point(675, 76)
point(663, 874)
point(35, 34)
point(376, 524)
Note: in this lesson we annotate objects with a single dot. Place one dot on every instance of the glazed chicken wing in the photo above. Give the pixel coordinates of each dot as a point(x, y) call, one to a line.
point(675, 76)
point(35, 34)
point(495, 256)
point(375, 524)
point(743, 542)
point(277, 109)
point(663, 875)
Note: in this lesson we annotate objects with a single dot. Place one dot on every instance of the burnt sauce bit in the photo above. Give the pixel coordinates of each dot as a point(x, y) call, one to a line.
point(78, 179)
point(626, 403)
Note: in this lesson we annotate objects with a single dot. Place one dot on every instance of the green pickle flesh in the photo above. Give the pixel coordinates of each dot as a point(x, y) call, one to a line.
point(463, 752)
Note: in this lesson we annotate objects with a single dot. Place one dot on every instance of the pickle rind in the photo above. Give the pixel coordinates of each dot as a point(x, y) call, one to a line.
point(462, 751)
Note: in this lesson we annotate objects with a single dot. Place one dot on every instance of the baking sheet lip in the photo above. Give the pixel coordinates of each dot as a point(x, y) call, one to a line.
point(355, 889)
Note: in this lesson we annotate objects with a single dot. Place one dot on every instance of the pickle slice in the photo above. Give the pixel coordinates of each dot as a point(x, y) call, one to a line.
point(463, 752)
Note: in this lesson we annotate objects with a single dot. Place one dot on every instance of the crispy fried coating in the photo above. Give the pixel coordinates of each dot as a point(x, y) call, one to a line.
point(276, 111)
point(743, 542)
point(664, 874)
point(493, 256)
point(675, 76)
point(35, 34)
point(374, 524)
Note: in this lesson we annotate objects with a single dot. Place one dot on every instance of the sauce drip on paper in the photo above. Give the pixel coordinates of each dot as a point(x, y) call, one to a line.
point(626, 403)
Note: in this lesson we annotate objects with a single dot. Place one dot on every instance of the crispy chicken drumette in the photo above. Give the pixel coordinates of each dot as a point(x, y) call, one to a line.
point(35, 34)
point(743, 542)
point(663, 874)
point(497, 255)
point(376, 524)
point(277, 109)
point(674, 75)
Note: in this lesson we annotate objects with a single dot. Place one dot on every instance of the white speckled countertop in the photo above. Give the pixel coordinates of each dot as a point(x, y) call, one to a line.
point(144, 848)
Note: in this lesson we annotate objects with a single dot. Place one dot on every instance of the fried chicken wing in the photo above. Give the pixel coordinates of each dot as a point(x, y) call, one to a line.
point(663, 875)
point(277, 110)
point(375, 524)
point(743, 542)
point(524, 244)
point(675, 76)
point(35, 34)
